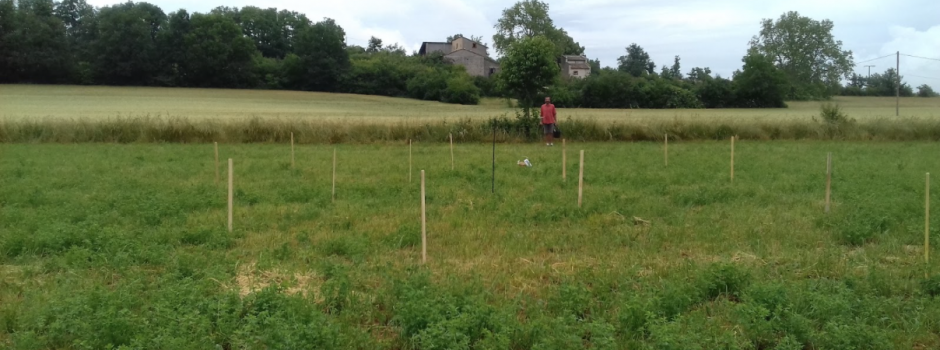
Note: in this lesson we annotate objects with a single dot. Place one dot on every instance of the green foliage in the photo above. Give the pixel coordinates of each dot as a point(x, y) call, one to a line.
point(886, 84)
point(759, 84)
point(637, 62)
point(832, 114)
point(804, 49)
point(926, 91)
point(931, 286)
point(724, 280)
point(528, 19)
point(860, 225)
point(323, 59)
point(527, 68)
point(127, 48)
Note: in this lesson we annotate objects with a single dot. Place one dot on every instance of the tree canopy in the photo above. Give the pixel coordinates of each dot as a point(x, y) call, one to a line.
point(636, 62)
point(806, 51)
point(529, 67)
point(527, 19)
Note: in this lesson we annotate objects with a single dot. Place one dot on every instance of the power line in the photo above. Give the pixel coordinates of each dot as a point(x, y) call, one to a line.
point(924, 58)
point(874, 59)
point(917, 76)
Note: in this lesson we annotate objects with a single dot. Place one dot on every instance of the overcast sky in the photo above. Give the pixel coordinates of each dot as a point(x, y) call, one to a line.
point(711, 33)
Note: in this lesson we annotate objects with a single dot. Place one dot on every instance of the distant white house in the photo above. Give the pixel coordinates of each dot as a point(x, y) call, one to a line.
point(574, 66)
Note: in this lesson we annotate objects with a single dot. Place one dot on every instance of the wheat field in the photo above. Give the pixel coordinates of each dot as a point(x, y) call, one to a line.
point(86, 102)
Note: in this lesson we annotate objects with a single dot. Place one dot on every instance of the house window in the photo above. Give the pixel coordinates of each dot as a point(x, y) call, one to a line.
point(575, 72)
point(474, 45)
point(492, 71)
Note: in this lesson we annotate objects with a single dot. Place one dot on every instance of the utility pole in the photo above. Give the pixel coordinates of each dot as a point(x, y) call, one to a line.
point(897, 87)
point(869, 69)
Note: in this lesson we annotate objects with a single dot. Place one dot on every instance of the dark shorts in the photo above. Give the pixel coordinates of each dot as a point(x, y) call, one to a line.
point(548, 129)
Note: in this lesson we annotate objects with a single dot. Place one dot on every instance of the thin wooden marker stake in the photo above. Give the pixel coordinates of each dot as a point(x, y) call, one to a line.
point(292, 150)
point(666, 149)
point(451, 151)
point(231, 192)
point(424, 227)
point(927, 222)
point(581, 179)
point(409, 160)
point(216, 162)
point(828, 179)
point(334, 175)
point(732, 159)
point(564, 161)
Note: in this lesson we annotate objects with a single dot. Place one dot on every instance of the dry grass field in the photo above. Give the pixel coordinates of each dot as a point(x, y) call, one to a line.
point(32, 101)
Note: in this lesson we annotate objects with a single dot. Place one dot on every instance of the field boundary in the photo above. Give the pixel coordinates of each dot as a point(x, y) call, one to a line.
point(273, 130)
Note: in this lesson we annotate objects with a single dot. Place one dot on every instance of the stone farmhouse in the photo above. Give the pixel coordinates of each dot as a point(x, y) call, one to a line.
point(465, 52)
point(474, 57)
point(574, 66)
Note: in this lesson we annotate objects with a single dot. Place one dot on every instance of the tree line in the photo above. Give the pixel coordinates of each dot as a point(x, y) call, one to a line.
point(138, 44)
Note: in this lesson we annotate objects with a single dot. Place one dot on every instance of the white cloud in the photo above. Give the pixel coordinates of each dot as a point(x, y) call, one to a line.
point(909, 41)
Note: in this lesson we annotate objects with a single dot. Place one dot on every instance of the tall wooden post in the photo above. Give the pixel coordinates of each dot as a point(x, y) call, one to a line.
point(564, 161)
point(231, 192)
point(292, 150)
point(333, 198)
point(666, 149)
point(409, 160)
point(451, 151)
point(581, 179)
point(216, 162)
point(927, 221)
point(732, 159)
point(828, 179)
point(424, 229)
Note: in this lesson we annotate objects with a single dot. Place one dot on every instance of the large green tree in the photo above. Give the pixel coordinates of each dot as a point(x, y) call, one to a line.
point(806, 51)
point(636, 62)
point(127, 51)
point(216, 53)
point(527, 69)
point(759, 84)
point(527, 19)
point(886, 84)
point(320, 59)
point(39, 46)
point(8, 44)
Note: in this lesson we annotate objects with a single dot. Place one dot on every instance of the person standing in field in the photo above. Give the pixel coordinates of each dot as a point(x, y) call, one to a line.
point(548, 121)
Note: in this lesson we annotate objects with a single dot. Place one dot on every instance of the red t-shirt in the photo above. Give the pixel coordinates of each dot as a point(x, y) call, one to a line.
point(548, 113)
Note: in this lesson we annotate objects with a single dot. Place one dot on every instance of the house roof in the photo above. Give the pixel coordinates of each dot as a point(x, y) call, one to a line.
point(488, 58)
point(468, 39)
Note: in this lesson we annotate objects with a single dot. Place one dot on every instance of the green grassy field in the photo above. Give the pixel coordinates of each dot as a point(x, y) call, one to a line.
point(107, 246)
point(33, 101)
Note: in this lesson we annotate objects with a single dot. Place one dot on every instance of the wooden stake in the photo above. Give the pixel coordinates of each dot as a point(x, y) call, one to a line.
point(231, 192)
point(581, 179)
point(424, 228)
point(216, 162)
point(927, 222)
point(564, 161)
point(666, 149)
point(828, 179)
point(451, 151)
point(334, 175)
point(409, 160)
point(732, 159)
point(292, 150)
